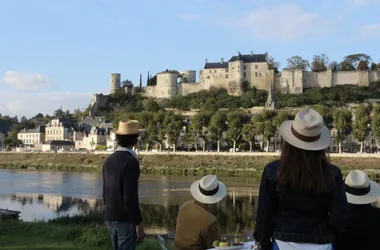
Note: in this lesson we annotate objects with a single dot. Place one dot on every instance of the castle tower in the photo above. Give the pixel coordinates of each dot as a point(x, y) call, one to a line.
point(114, 82)
point(240, 73)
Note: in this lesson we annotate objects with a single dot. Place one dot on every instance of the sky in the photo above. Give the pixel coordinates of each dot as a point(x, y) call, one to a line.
point(59, 53)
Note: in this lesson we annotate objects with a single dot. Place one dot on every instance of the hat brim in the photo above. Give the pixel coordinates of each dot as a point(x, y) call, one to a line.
point(194, 190)
point(323, 142)
point(116, 131)
point(372, 196)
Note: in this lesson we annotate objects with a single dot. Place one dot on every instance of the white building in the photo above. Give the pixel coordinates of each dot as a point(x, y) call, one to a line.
point(32, 136)
point(59, 129)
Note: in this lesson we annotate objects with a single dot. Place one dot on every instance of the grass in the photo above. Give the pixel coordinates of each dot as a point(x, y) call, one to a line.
point(222, 165)
point(78, 232)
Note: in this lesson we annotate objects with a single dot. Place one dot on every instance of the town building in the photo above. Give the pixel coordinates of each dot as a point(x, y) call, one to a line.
point(60, 129)
point(31, 137)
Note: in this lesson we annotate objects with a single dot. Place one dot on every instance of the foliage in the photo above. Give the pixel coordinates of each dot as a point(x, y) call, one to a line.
point(360, 125)
point(346, 66)
point(101, 147)
point(264, 125)
point(373, 66)
point(319, 63)
point(249, 133)
point(376, 122)
point(126, 83)
point(334, 66)
point(342, 122)
point(274, 65)
point(172, 125)
point(217, 127)
point(235, 122)
point(355, 60)
point(297, 62)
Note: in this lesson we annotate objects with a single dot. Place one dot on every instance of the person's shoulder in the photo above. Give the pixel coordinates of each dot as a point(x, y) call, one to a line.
point(337, 171)
point(270, 169)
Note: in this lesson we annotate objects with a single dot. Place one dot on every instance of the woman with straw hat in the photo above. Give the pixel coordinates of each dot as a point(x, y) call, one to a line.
point(364, 218)
point(302, 200)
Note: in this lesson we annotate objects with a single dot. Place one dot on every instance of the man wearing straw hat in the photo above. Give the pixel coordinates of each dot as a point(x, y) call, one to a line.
point(197, 228)
point(121, 172)
point(364, 231)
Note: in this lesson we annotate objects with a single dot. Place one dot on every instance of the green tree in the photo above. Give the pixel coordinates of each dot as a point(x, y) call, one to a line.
point(277, 121)
point(173, 124)
point(355, 59)
point(342, 122)
point(151, 106)
point(326, 113)
point(373, 66)
point(249, 134)
point(126, 83)
point(264, 126)
point(188, 137)
point(59, 113)
point(217, 127)
point(319, 63)
point(297, 62)
point(346, 66)
point(334, 66)
point(376, 122)
point(360, 125)
point(363, 66)
point(234, 127)
point(199, 127)
point(274, 65)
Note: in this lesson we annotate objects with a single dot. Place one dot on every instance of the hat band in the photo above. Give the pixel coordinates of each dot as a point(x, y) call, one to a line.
point(305, 138)
point(209, 192)
point(358, 191)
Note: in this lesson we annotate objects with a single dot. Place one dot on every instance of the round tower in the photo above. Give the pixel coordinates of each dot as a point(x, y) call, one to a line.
point(167, 84)
point(114, 82)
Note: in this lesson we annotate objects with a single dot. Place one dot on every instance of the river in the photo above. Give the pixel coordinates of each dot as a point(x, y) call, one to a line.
point(44, 195)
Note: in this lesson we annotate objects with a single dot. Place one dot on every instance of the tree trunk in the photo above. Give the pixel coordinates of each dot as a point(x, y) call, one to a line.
point(147, 147)
point(204, 146)
point(267, 146)
point(250, 146)
point(188, 147)
point(361, 147)
point(234, 146)
point(218, 144)
point(340, 147)
point(173, 147)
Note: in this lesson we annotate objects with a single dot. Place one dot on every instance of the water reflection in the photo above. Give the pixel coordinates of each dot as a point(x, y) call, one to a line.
point(234, 211)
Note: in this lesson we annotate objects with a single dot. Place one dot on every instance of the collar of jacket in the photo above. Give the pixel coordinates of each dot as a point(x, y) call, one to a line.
point(205, 206)
point(127, 150)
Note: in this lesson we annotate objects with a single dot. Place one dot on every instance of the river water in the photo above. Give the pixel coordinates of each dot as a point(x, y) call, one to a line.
point(44, 195)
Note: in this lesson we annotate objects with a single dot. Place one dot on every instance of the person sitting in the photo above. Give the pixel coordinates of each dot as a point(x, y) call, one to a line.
point(364, 230)
point(197, 228)
point(301, 199)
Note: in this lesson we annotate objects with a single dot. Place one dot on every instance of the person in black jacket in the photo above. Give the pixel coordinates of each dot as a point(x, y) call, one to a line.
point(121, 171)
point(364, 218)
point(302, 201)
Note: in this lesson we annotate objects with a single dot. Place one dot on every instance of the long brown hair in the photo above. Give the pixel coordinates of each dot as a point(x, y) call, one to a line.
point(304, 170)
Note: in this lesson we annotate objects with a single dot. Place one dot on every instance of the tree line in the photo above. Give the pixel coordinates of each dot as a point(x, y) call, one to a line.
point(353, 62)
point(241, 129)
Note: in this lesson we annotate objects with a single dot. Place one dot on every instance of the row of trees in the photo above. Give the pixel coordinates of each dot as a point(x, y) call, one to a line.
point(321, 62)
point(241, 128)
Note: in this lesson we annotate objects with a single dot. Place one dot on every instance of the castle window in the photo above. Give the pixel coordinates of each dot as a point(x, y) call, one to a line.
point(245, 67)
point(226, 70)
point(373, 141)
point(214, 70)
point(260, 74)
point(208, 77)
point(256, 74)
point(210, 71)
point(256, 66)
point(245, 74)
point(232, 67)
point(226, 76)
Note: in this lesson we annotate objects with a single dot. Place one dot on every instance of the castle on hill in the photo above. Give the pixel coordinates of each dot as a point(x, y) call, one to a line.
point(242, 70)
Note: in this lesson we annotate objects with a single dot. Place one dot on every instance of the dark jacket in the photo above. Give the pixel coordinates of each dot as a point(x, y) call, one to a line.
point(292, 216)
point(197, 228)
point(121, 172)
point(364, 229)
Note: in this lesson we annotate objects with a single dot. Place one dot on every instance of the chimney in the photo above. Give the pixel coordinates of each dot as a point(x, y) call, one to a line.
point(206, 61)
point(251, 52)
point(222, 60)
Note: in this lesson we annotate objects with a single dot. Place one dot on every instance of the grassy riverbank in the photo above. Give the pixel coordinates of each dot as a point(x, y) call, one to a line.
point(174, 164)
point(81, 232)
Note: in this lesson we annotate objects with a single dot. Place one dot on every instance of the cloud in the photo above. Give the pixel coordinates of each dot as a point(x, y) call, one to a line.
point(365, 2)
point(369, 31)
point(26, 81)
point(189, 16)
point(283, 22)
point(30, 104)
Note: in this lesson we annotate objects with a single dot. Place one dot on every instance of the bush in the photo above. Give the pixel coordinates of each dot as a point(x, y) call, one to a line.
point(101, 147)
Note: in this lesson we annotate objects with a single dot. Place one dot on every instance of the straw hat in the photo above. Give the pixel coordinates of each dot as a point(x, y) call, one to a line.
point(208, 190)
point(307, 131)
point(360, 189)
point(130, 127)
